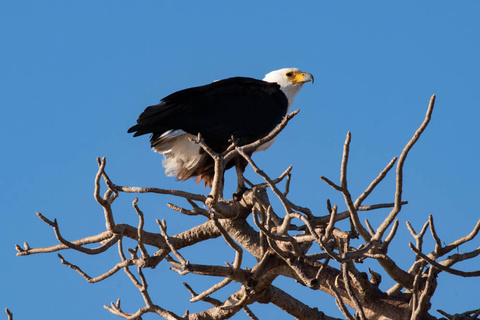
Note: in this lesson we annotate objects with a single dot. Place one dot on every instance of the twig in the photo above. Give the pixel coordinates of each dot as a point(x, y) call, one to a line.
point(474, 314)
point(107, 180)
point(331, 222)
point(345, 214)
point(113, 239)
point(239, 303)
point(9, 314)
point(346, 194)
point(376, 278)
point(318, 239)
point(202, 296)
point(438, 243)
point(163, 229)
point(101, 277)
point(272, 236)
point(390, 236)
point(96, 193)
point(350, 292)
point(399, 183)
point(106, 201)
point(219, 169)
point(210, 300)
point(140, 229)
point(369, 227)
point(418, 236)
point(339, 301)
point(461, 241)
point(193, 212)
point(88, 240)
point(177, 193)
point(250, 313)
point(254, 145)
point(441, 267)
point(287, 184)
point(272, 185)
point(331, 183)
point(451, 260)
point(238, 249)
point(277, 180)
point(422, 306)
point(374, 183)
point(322, 267)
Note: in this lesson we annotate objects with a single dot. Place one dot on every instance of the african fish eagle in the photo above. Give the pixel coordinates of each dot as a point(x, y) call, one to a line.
point(245, 108)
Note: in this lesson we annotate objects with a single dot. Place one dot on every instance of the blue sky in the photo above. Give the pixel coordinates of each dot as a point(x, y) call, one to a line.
point(75, 76)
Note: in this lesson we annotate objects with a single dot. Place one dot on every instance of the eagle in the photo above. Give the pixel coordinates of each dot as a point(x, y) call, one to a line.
point(244, 108)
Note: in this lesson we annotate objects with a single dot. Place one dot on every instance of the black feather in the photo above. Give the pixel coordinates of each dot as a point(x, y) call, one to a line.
point(245, 108)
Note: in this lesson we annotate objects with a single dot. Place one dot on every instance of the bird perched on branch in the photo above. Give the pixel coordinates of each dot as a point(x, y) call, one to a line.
point(245, 108)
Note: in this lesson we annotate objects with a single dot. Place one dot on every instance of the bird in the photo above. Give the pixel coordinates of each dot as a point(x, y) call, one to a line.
point(246, 109)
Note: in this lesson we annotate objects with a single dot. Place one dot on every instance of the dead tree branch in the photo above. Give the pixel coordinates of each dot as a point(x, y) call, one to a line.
point(309, 246)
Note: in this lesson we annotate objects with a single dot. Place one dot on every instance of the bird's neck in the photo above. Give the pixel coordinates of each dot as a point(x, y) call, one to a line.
point(290, 92)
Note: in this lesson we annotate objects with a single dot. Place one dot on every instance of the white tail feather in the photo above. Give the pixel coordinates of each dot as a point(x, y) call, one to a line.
point(179, 152)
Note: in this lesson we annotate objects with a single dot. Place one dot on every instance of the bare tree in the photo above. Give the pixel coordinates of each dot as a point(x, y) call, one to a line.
point(280, 239)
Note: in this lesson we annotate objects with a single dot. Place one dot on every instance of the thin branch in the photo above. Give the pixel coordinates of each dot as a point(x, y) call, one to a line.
point(202, 296)
point(374, 183)
point(390, 236)
point(277, 180)
point(254, 145)
point(177, 193)
point(219, 169)
point(443, 268)
point(193, 212)
point(96, 193)
point(339, 301)
point(369, 227)
point(293, 306)
point(88, 240)
point(272, 185)
point(438, 243)
point(470, 315)
point(331, 222)
point(106, 201)
point(345, 214)
point(331, 183)
point(346, 194)
point(451, 260)
point(322, 267)
point(101, 277)
point(212, 301)
point(238, 249)
point(272, 236)
point(113, 239)
point(163, 229)
point(287, 184)
point(461, 241)
point(418, 236)
point(399, 183)
point(376, 278)
point(140, 229)
point(424, 300)
point(250, 313)
point(9, 314)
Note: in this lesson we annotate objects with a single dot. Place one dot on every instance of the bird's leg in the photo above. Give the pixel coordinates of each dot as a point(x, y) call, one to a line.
point(240, 165)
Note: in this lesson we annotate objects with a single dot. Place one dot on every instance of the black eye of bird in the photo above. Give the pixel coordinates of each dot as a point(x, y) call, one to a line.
point(289, 74)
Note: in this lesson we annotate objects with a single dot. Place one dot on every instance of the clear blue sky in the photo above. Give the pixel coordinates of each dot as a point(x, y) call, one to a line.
point(75, 75)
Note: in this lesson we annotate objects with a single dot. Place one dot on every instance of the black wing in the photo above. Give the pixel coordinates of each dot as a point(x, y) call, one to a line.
point(246, 108)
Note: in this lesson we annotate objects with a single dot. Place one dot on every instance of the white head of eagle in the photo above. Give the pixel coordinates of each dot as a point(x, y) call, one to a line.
point(245, 108)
